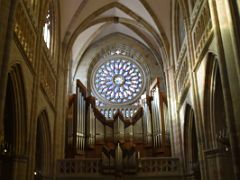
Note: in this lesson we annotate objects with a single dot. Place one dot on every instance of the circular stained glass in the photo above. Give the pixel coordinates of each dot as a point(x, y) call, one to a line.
point(118, 80)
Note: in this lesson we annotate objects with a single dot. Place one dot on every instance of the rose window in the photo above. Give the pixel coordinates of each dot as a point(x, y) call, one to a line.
point(118, 81)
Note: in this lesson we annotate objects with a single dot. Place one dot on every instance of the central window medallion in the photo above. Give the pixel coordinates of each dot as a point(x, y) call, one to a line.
point(119, 80)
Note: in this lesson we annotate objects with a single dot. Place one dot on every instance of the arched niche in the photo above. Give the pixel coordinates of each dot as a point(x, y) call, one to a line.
point(214, 106)
point(13, 149)
point(217, 145)
point(43, 153)
point(191, 150)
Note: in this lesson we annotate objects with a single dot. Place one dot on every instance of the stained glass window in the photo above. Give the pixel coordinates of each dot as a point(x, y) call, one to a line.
point(47, 29)
point(118, 80)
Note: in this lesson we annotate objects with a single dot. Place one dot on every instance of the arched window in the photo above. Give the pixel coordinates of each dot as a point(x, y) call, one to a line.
point(47, 28)
point(181, 29)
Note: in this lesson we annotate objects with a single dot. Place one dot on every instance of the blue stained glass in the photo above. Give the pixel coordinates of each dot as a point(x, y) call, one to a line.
point(118, 80)
point(121, 71)
point(124, 66)
point(109, 83)
point(132, 89)
point(129, 92)
point(128, 68)
point(128, 77)
point(120, 65)
point(126, 86)
point(121, 89)
point(131, 71)
point(112, 94)
point(108, 68)
point(112, 66)
point(125, 74)
point(105, 71)
point(116, 66)
point(105, 90)
point(135, 78)
point(102, 78)
point(116, 89)
point(111, 87)
point(111, 74)
point(121, 95)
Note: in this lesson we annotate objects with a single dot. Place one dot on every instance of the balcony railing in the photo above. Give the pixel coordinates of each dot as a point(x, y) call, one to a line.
point(159, 166)
point(78, 167)
point(151, 166)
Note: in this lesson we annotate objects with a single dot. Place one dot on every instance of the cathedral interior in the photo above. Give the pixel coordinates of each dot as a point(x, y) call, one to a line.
point(119, 89)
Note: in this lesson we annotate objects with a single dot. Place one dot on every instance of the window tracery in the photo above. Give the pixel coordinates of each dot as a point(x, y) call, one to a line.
point(118, 80)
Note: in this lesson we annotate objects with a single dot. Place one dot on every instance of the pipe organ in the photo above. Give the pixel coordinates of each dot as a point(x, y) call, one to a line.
point(79, 123)
point(111, 133)
point(157, 107)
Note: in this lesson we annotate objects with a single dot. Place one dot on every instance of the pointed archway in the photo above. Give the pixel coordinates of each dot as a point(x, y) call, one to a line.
point(217, 144)
point(13, 149)
point(191, 150)
point(43, 153)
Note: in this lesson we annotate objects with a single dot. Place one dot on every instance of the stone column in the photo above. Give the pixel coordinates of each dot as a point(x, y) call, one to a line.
point(227, 42)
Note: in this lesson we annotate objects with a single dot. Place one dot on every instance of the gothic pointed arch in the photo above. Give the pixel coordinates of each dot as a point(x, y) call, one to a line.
point(210, 87)
point(179, 29)
point(190, 144)
point(43, 154)
point(216, 132)
point(15, 122)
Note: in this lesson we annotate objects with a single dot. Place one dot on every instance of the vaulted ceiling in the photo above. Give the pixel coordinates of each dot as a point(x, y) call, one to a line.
point(84, 22)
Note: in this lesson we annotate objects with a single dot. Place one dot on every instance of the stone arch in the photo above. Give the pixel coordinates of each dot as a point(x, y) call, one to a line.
point(191, 144)
point(70, 37)
point(210, 87)
point(15, 123)
point(179, 15)
point(104, 50)
point(215, 128)
point(53, 7)
point(43, 153)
